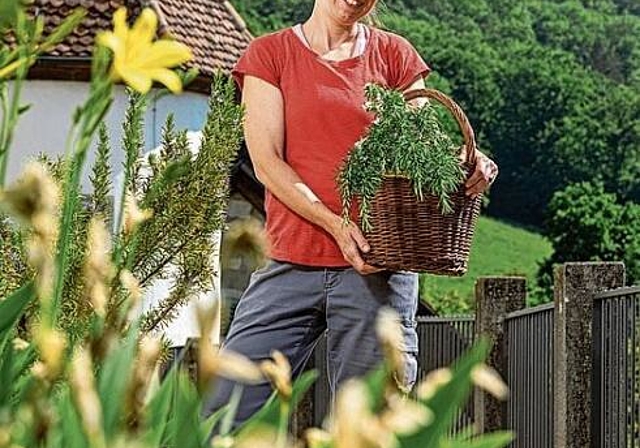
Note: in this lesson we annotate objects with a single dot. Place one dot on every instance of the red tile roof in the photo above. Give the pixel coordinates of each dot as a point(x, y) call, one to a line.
point(211, 28)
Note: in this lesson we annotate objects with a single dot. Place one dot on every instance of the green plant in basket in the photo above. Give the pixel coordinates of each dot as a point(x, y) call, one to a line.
point(403, 141)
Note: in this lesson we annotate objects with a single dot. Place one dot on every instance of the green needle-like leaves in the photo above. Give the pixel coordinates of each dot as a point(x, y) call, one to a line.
point(402, 141)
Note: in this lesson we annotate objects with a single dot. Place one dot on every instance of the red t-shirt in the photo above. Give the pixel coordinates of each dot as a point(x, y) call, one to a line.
point(324, 117)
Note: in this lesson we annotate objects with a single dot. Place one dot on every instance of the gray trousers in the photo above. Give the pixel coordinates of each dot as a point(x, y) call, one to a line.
point(288, 307)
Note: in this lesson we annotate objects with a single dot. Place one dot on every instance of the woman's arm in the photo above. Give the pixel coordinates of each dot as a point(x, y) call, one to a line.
point(264, 130)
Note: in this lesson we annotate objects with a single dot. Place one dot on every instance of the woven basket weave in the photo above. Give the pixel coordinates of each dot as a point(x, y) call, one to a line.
point(412, 235)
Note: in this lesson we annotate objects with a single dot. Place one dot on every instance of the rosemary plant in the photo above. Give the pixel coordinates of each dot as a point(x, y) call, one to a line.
point(402, 141)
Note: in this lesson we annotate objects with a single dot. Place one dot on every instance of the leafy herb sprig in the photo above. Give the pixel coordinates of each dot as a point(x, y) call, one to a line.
point(402, 141)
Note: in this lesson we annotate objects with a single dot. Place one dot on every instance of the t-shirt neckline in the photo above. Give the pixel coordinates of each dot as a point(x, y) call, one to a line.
point(348, 61)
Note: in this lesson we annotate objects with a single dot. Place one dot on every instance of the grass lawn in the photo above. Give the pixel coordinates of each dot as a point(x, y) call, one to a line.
point(498, 249)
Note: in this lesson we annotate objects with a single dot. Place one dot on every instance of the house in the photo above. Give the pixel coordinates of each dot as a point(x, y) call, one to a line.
point(58, 81)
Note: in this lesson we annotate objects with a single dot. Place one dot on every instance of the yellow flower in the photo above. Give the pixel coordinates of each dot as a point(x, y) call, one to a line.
point(222, 442)
point(51, 343)
point(404, 416)
point(33, 199)
point(261, 436)
point(137, 59)
point(432, 382)
point(317, 438)
point(98, 270)
point(86, 397)
point(278, 371)
point(389, 331)
point(354, 425)
point(133, 215)
point(489, 379)
point(19, 345)
point(225, 364)
point(131, 284)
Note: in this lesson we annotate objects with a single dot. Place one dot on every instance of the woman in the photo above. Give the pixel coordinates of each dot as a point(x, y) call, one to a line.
point(303, 89)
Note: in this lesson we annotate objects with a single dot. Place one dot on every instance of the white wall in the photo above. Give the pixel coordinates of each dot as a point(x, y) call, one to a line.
point(44, 129)
point(45, 126)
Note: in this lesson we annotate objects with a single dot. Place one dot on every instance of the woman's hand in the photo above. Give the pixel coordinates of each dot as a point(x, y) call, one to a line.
point(482, 177)
point(352, 242)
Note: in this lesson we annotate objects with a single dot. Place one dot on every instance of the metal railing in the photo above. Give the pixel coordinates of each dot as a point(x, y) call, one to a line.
point(442, 340)
point(616, 373)
point(529, 346)
point(529, 376)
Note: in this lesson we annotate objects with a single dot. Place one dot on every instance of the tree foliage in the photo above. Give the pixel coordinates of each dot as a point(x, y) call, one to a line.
point(586, 223)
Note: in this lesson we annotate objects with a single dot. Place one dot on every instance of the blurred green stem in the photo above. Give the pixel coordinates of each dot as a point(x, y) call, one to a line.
point(284, 424)
point(229, 417)
point(10, 110)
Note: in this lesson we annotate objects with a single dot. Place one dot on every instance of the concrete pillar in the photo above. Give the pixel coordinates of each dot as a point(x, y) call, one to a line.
point(575, 286)
point(495, 298)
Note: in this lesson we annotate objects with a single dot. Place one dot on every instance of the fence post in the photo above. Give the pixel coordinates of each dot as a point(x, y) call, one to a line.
point(575, 285)
point(495, 298)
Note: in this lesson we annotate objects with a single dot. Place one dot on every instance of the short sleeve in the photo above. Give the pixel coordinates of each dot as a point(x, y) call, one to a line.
point(262, 60)
point(406, 64)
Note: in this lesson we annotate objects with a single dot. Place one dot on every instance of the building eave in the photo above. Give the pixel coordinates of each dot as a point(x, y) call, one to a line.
point(58, 68)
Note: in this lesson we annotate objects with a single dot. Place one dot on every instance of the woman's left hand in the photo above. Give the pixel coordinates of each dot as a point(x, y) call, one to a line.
point(482, 177)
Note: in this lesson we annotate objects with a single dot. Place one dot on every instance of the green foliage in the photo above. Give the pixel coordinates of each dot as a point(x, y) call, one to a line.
point(178, 184)
point(600, 39)
point(199, 191)
point(15, 270)
point(101, 176)
point(92, 404)
point(133, 139)
point(15, 60)
point(446, 400)
point(547, 117)
point(586, 223)
point(12, 307)
point(402, 141)
point(264, 16)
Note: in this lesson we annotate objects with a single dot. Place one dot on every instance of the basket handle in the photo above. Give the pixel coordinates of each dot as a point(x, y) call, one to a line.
point(458, 113)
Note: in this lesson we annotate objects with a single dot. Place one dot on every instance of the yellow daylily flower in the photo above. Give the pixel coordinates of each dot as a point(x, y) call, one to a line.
point(138, 60)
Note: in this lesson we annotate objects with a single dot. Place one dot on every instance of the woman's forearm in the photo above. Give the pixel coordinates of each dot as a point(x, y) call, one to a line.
point(284, 183)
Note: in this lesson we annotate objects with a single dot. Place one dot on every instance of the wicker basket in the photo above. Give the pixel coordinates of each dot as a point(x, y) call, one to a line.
point(412, 235)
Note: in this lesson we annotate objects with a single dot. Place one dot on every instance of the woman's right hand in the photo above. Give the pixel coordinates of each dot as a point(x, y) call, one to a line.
point(352, 243)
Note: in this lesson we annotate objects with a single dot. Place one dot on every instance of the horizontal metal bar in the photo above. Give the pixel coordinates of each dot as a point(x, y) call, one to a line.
point(619, 292)
point(531, 310)
point(444, 319)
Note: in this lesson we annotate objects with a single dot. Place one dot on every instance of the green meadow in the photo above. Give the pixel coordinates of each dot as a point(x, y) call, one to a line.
point(498, 249)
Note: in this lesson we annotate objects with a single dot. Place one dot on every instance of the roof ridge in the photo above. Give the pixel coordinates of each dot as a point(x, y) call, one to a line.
point(163, 25)
point(238, 21)
point(213, 30)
